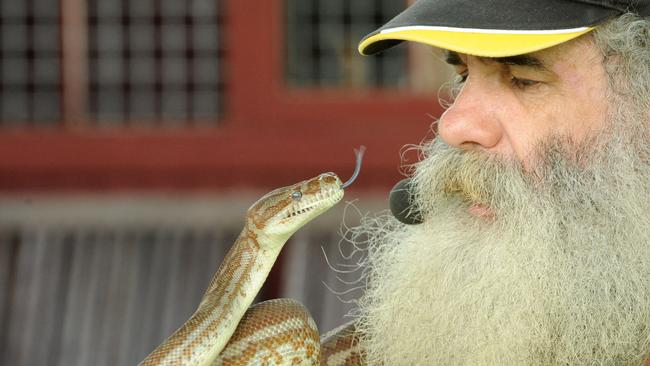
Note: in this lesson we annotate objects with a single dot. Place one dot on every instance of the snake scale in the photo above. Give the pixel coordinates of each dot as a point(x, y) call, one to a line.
point(226, 330)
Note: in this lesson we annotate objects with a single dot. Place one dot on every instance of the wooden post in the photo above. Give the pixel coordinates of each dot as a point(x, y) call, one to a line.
point(74, 65)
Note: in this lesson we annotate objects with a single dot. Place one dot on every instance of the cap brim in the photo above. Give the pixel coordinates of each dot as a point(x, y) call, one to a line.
point(494, 28)
point(473, 41)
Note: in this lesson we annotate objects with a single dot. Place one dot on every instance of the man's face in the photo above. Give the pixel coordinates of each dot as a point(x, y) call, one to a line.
point(560, 274)
point(508, 105)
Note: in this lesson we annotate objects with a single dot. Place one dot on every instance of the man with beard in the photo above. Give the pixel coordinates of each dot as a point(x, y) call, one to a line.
point(534, 196)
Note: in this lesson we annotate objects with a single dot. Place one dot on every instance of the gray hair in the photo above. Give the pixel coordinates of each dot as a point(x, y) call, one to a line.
point(625, 44)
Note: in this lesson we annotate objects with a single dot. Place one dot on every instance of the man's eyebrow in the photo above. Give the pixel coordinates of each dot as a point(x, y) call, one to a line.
point(453, 58)
point(521, 60)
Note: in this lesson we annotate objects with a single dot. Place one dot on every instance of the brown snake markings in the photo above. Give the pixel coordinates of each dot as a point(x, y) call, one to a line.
point(291, 312)
point(342, 347)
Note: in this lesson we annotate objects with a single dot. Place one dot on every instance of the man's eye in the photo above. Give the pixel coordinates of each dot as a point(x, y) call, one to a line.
point(523, 83)
point(462, 78)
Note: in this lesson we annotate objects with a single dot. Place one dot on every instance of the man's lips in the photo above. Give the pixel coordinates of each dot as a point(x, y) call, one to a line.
point(481, 210)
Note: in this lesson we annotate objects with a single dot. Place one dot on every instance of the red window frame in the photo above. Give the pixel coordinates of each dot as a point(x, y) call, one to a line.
point(270, 134)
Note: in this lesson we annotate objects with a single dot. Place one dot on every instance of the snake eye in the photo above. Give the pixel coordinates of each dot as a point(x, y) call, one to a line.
point(297, 195)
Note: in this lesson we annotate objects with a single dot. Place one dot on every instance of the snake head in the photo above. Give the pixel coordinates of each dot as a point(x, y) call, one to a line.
point(283, 211)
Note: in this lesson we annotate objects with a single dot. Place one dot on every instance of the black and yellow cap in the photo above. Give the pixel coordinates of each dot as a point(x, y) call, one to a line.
point(497, 28)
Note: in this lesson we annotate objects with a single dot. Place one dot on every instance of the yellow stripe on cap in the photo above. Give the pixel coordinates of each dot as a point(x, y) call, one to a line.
point(485, 43)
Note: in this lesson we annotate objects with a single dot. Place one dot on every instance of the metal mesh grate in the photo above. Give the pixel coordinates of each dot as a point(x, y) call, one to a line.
point(154, 60)
point(322, 37)
point(30, 58)
point(99, 296)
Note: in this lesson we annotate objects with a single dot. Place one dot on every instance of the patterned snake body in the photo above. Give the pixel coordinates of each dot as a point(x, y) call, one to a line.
point(269, 224)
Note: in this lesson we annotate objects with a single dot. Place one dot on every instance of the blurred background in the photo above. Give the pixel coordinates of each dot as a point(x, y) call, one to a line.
point(134, 135)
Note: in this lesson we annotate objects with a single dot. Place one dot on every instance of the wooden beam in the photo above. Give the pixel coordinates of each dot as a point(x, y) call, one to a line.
point(200, 159)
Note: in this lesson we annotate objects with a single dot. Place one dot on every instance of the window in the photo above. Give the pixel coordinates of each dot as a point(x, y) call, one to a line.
point(322, 38)
point(30, 77)
point(154, 61)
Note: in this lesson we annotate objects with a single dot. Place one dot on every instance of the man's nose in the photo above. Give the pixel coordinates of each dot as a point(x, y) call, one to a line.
point(472, 121)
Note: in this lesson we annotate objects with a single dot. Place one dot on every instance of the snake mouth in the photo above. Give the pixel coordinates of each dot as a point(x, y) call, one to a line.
point(321, 200)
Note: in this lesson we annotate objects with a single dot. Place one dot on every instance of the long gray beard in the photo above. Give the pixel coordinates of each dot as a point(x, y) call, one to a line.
point(560, 275)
